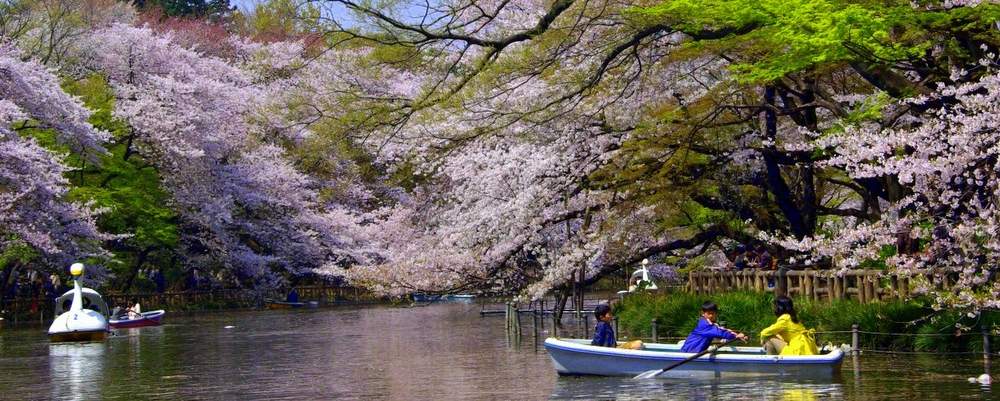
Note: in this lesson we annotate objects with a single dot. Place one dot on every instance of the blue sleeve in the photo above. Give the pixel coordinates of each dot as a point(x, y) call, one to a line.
point(702, 335)
point(706, 329)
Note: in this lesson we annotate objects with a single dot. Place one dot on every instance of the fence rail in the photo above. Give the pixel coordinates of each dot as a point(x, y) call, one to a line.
point(862, 285)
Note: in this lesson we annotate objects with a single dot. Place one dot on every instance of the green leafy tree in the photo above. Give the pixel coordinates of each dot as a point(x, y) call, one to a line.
point(124, 185)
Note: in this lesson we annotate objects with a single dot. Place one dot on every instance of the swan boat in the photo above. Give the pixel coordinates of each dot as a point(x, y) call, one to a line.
point(578, 357)
point(79, 323)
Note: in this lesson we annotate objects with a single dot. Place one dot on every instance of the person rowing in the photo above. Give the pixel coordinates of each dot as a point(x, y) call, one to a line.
point(707, 330)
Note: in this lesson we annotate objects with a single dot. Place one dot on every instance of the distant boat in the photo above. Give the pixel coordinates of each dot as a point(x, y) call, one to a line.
point(422, 297)
point(461, 297)
point(79, 323)
point(151, 318)
point(285, 305)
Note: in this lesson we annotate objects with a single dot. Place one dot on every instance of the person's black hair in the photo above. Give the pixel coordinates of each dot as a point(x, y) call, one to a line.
point(601, 310)
point(783, 305)
point(709, 306)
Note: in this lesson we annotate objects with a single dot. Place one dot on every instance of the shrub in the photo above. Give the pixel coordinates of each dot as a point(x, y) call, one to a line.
point(916, 325)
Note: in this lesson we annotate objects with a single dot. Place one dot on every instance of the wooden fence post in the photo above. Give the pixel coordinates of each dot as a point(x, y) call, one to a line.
point(855, 341)
point(781, 282)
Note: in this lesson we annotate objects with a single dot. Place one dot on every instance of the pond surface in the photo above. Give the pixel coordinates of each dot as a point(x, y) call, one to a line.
point(442, 351)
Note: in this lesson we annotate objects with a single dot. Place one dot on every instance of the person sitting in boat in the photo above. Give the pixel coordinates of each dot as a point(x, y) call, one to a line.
point(135, 311)
point(707, 330)
point(787, 336)
point(293, 296)
point(604, 334)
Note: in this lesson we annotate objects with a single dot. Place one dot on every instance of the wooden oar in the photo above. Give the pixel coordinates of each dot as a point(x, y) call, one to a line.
point(656, 372)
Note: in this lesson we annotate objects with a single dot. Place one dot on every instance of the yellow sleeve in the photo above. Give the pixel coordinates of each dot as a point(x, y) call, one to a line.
point(778, 326)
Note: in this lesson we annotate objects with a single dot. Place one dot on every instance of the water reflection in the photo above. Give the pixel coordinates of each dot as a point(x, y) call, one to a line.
point(575, 388)
point(438, 352)
point(76, 370)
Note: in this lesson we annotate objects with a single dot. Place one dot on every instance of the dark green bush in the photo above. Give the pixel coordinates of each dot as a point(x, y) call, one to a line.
point(677, 313)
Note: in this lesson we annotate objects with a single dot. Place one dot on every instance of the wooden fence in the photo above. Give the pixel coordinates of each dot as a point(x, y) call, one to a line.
point(861, 285)
point(40, 308)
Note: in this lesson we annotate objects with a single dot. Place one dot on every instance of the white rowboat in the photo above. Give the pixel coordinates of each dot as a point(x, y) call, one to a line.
point(578, 357)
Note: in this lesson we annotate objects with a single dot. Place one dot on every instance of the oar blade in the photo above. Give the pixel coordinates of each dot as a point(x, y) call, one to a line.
point(649, 374)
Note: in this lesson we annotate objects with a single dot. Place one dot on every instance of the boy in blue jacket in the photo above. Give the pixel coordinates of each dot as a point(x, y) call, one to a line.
point(707, 330)
point(604, 335)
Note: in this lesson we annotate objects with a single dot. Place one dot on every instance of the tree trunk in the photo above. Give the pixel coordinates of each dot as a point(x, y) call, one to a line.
point(135, 269)
point(775, 182)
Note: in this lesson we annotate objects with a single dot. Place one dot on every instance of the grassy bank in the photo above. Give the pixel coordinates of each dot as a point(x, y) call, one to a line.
point(677, 314)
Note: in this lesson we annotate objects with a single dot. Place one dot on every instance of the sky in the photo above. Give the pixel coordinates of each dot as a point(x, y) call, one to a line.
point(335, 11)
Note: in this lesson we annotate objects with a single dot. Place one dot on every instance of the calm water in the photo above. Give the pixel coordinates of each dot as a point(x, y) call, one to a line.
point(442, 351)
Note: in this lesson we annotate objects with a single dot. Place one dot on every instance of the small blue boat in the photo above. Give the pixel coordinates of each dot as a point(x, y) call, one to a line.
point(422, 297)
point(578, 357)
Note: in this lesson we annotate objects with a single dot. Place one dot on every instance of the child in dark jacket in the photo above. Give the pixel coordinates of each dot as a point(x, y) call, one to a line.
point(707, 330)
point(604, 335)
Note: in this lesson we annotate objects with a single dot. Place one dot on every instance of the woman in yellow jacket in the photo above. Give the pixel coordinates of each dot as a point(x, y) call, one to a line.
point(787, 336)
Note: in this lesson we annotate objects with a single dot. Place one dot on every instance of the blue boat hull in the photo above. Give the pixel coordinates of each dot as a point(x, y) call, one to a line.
point(577, 357)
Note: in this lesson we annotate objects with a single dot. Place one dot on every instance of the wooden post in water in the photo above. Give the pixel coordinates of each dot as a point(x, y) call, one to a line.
point(986, 350)
point(515, 321)
point(506, 314)
point(855, 340)
point(534, 323)
point(656, 338)
point(586, 325)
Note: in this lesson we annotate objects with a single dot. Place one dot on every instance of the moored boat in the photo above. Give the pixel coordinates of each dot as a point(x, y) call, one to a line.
point(422, 297)
point(284, 305)
point(578, 357)
point(151, 318)
point(79, 323)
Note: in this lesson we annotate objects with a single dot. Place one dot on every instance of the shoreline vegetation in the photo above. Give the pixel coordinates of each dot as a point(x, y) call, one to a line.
point(913, 324)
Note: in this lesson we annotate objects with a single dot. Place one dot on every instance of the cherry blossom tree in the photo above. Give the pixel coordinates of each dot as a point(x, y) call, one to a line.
point(33, 205)
point(716, 109)
point(203, 122)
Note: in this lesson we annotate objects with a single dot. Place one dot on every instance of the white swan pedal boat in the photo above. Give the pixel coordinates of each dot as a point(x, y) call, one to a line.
point(578, 357)
point(79, 323)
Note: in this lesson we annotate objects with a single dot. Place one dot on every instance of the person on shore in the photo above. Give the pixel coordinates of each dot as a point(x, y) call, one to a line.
point(159, 280)
point(707, 330)
point(787, 336)
point(740, 258)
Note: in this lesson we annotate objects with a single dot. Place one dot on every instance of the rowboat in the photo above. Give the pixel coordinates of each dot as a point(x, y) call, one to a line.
point(284, 305)
point(151, 318)
point(578, 357)
point(422, 297)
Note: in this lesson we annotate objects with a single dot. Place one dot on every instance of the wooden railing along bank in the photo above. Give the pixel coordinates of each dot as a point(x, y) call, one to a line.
point(41, 309)
point(861, 285)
